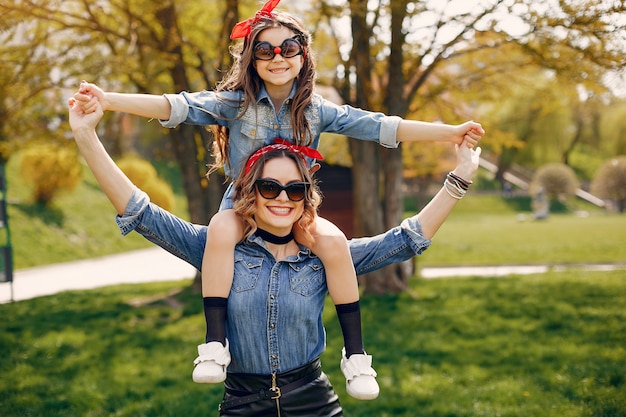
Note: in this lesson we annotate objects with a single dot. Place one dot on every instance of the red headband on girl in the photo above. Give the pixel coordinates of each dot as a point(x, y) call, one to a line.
point(243, 28)
point(279, 143)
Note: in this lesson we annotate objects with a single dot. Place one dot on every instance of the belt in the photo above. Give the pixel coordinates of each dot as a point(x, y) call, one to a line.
point(272, 393)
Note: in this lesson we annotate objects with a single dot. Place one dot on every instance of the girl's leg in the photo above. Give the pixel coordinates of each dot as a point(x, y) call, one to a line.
point(224, 232)
point(331, 246)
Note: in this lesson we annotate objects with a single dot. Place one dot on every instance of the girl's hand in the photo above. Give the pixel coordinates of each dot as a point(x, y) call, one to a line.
point(467, 160)
point(90, 96)
point(470, 133)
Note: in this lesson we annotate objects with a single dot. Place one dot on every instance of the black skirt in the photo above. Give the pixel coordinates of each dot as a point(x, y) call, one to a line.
point(304, 391)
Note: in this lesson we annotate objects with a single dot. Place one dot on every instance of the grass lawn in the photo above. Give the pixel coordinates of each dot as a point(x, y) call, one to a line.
point(538, 345)
point(486, 229)
point(501, 239)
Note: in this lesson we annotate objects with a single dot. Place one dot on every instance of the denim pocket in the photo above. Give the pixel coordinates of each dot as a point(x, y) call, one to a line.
point(307, 279)
point(247, 272)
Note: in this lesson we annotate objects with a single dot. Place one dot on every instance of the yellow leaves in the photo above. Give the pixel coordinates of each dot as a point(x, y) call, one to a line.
point(144, 176)
point(49, 169)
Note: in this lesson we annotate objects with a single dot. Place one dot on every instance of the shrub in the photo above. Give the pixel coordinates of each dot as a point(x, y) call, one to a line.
point(160, 193)
point(138, 170)
point(49, 169)
point(558, 181)
point(143, 174)
point(610, 182)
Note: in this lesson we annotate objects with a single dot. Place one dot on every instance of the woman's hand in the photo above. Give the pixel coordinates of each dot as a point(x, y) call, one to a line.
point(81, 119)
point(467, 160)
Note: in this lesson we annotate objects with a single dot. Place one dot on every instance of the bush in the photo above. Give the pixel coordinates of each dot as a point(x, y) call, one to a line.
point(557, 181)
point(138, 170)
point(49, 169)
point(144, 175)
point(610, 182)
point(160, 193)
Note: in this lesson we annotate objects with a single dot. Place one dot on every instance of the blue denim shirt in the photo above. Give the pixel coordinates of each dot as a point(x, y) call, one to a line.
point(274, 308)
point(260, 124)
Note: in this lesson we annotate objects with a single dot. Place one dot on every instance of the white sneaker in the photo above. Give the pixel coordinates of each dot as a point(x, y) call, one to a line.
point(211, 363)
point(360, 376)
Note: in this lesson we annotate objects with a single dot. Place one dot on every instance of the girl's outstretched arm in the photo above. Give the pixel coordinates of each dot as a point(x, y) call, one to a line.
point(416, 131)
point(145, 105)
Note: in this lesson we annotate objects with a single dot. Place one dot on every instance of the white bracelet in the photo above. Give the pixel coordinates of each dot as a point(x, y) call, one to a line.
point(454, 190)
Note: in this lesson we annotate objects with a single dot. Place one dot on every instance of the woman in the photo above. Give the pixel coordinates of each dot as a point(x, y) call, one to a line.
point(277, 296)
point(269, 93)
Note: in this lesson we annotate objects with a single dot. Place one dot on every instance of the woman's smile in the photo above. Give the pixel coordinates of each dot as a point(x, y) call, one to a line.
point(280, 211)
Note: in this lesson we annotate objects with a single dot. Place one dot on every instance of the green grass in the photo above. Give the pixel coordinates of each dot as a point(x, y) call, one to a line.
point(78, 225)
point(496, 239)
point(485, 229)
point(538, 345)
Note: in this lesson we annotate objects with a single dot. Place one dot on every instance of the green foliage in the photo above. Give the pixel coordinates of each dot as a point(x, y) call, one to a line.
point(612, 128)
point(50, 169)
point(541, 345)
point(610, 181)
point(558, 181)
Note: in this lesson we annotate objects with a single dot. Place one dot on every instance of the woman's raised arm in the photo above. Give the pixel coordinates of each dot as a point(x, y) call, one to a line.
point(437, 210)
point(115, 184)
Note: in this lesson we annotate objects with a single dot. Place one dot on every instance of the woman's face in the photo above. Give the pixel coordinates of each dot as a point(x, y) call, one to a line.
point(278, 215)
point(279, 72)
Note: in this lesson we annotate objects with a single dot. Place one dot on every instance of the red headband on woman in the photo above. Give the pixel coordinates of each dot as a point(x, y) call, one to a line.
point(279, 143)
point(243, 28)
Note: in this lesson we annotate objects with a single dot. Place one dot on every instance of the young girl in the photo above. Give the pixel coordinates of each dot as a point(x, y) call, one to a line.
point(267, 95)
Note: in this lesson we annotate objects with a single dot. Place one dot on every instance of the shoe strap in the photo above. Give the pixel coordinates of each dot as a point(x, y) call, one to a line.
point(213, 351)
point(357, 365)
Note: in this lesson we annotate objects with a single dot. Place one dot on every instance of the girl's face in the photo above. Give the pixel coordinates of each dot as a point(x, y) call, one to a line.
point(278, 215)
point(279, 72)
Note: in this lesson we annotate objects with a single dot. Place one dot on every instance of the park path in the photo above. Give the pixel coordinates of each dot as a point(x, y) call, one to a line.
point(155, 264)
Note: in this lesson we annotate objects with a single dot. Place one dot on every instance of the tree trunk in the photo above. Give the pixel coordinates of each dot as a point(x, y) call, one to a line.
point(377, 173)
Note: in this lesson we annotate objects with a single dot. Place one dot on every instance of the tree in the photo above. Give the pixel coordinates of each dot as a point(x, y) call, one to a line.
point(405, 54)
point(610, 182)
point(135, 45)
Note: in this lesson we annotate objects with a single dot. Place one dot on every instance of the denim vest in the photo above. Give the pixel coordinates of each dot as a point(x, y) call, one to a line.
point(274, 308)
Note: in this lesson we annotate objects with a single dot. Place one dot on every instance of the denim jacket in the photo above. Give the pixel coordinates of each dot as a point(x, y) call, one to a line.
point(260, 124)
point(274, 308)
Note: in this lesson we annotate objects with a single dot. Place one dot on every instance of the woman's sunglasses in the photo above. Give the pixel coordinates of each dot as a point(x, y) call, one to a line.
point(270, 189)
point(265, 51)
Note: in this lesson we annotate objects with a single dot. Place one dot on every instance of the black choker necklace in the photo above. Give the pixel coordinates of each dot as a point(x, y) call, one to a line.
point(272, 238)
